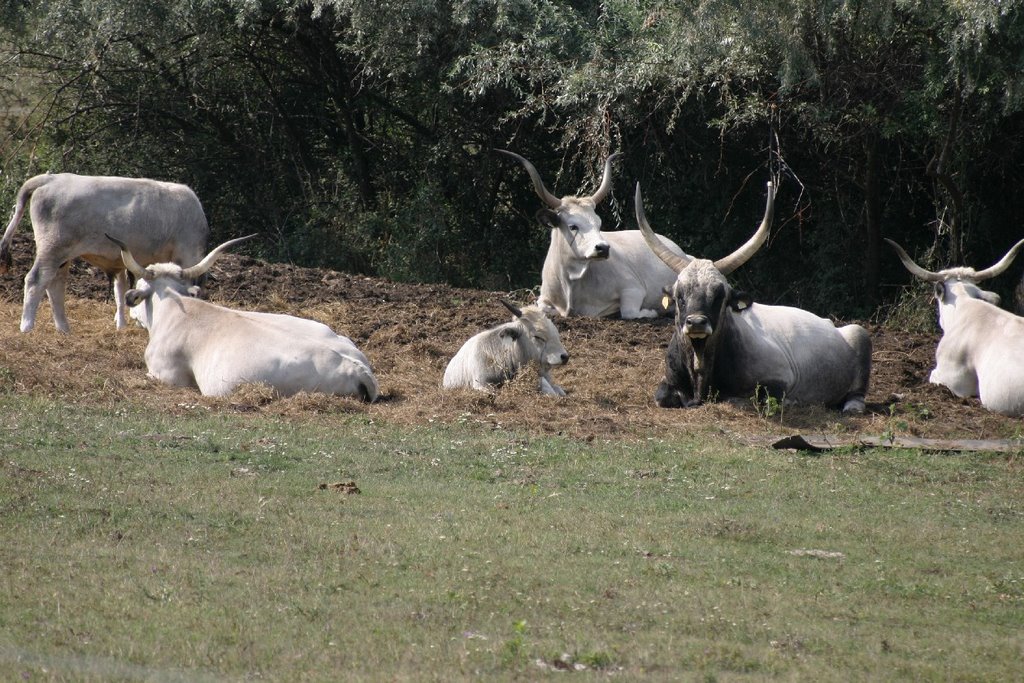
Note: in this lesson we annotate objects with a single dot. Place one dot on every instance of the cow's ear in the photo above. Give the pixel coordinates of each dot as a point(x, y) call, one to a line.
point(548, 218)
point(939, 291)
point(667, 297)
point(134, 297)
point(990, 297)
point(510, 332)
point(740, 301)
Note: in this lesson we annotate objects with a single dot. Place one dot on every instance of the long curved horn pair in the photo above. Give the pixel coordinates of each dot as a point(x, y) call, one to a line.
point(939, 276)
point(551, 200)
point(742, 255)
point(724, 265)
point(199, 269)
point(129, 261)
point(671, 259)
point(190, 273)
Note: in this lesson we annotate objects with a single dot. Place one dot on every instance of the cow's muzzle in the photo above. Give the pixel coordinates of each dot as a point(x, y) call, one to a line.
point(697, 326)
point(600, 252)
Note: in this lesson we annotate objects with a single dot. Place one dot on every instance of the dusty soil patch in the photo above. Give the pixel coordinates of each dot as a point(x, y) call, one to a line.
point(410, 331)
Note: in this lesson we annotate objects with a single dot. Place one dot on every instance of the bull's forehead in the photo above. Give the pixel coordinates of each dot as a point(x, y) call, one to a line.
point(536, 321)
point(960, 274)
point(158, 270)
point(700, 281)
point(580, 211)
point(957, 288)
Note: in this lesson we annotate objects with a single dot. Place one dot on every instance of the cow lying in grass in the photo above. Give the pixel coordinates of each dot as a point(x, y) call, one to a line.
point(495, 356)
point(193, 343)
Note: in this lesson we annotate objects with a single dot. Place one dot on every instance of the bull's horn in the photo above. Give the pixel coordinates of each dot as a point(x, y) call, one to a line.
point(606, 181)
point(916, 270)
point(126, 256)
point(200, 268)
point(1003, 264)
point(736, 259)
point(510, 306)
point(671, 259)
point(538, 184)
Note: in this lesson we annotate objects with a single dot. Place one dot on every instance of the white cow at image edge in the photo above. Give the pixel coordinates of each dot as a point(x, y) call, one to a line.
point(981, 352)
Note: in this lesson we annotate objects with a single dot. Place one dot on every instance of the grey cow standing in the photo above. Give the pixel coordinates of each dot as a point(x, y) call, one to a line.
point(159, 222)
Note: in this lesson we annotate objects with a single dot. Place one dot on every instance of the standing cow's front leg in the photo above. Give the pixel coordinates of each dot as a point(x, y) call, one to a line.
point(120, 279)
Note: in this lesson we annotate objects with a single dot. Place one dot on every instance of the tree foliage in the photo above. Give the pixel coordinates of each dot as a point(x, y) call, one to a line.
point(359, 135)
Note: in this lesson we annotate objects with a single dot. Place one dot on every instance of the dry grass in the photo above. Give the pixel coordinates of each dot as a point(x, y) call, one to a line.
point(410, 331)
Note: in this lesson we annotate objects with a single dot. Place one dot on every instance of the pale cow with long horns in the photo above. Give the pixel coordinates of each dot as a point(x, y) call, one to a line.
point(726, 346)
point(981, 352)
point(194, 343)
point(592, 273)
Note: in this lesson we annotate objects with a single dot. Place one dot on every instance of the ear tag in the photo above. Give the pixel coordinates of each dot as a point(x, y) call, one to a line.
point(666, 302)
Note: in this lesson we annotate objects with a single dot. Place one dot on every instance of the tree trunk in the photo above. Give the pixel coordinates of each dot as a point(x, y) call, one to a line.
point(872, 217)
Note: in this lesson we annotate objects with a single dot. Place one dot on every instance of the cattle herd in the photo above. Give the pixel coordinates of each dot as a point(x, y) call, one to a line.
point(724, 344)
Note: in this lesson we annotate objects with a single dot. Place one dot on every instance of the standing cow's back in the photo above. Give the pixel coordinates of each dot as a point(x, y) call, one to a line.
point(161, 222)
point(72, 214)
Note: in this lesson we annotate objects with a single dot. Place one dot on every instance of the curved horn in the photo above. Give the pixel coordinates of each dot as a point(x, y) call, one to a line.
point(916, 270)
point(126, 256)
point(737, 258)
point(606, 181)
point(671, 259)
point(200, 268)
point(538, 184)
point(1002, 265)
point(510, 306)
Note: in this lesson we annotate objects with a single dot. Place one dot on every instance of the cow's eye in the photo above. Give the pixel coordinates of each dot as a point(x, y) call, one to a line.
point(574, 228)
point(540, 341)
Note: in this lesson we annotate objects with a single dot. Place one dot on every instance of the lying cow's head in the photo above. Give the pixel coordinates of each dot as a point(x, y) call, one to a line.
point(165, 276)
point(702, 297)
point(575, 218)
point(543, 334)
point(960, 281)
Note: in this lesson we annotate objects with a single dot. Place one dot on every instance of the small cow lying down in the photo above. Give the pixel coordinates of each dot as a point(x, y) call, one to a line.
point(193, 343)
point(495, 356)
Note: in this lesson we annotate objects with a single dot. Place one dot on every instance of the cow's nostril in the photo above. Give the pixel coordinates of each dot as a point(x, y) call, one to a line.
point(565, 358)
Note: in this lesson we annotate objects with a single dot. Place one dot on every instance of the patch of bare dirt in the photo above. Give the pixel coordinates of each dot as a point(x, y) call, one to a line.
point(410, 332)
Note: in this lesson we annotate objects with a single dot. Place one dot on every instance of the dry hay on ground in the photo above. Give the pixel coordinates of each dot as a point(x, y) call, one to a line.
point(410, 331)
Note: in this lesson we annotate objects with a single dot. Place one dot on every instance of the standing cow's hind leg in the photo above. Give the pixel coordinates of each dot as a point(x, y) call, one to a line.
point(40, 279)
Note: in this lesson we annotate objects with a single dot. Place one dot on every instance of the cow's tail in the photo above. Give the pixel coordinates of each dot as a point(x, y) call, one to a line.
point(30, 186)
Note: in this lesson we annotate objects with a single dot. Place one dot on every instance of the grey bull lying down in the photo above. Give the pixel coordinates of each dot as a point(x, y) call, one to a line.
point(724, 345)
point(194, 343)
point(71, 214)
point(490, 358)
point(981, 352)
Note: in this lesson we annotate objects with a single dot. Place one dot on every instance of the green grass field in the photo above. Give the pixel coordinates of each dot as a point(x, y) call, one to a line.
point(222, 546)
